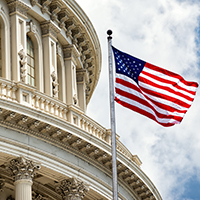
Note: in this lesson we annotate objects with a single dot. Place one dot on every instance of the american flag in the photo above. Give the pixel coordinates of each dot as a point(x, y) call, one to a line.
point(157, 93)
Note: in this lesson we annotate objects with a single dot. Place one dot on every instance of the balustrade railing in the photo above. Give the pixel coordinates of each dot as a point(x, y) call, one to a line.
point(28, 96)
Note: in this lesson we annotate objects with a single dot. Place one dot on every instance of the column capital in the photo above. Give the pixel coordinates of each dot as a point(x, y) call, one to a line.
point(82, 76)
point(50, 29)
point(72, 189)
point(16, 6)
point(70, 52)
point(22, 168)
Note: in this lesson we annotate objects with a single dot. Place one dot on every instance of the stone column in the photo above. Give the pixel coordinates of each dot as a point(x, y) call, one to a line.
point(70, 56)
point(82, 79)
point(23, 171)
point(49, 39)
point(18, 15)
point(72, 189)
point(61, 74)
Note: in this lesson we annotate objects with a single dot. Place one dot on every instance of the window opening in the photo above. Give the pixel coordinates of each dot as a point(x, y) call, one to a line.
point(30, 62)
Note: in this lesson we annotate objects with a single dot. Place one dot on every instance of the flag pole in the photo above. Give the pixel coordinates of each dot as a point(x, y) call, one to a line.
point(112, 118)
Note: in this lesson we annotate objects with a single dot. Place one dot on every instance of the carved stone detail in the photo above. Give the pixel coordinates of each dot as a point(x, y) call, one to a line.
point(32, 27)
point(54, 83)
point(62, 17)
point(59, 52)
point(22, 168)
point(10, 198)
point(55, 9)
point(18, 6)
point(75, 99)
point(76, 34)
point(2, 183)
point(45, 4)
point(70, 52)
point(36, 196)
point(82, 76)
point(22, 56)
point(49, 28)
point(70, 25)
point(1, 9)
point(72, 189)
point(34, 2)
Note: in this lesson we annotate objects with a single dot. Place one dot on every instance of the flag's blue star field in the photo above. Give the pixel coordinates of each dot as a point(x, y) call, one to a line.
point(128, 65)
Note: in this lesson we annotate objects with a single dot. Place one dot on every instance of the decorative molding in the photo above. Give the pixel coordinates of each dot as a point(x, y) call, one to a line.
point(22, 168)
point(72, 189)
point(62, 17)
point(50, 29)
point(34, 2)
point(76, 33)
point(1, 9)
point(70, 25)
point(17, 6)
point(45, 6)
point(70, 52)
point(82, 76)
point(55, 8)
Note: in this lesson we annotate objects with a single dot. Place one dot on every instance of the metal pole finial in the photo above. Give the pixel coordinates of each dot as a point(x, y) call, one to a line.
point(109, 32)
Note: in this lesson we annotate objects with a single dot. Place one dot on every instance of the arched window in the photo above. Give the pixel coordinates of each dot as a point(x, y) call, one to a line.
point(30, 62)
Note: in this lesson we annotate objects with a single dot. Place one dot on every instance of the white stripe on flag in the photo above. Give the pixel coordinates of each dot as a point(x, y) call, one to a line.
point(140, 95)
point(147, 109)
point(169, 78)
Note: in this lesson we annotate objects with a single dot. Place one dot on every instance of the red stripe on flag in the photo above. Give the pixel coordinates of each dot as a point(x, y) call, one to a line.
point(144, 102)
point(168, 89)
point(143, 112)
point(139, 89)
point(172, 83)
point(172, 74)
point(166, 97)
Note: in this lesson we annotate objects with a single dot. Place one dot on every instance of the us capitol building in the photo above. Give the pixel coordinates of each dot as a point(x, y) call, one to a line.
point(50, 62)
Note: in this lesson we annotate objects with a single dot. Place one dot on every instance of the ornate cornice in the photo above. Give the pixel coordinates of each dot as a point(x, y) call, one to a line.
point(22, 168)
point(55, 8)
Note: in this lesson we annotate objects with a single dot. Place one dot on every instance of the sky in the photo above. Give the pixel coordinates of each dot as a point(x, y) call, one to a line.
point(165, 33)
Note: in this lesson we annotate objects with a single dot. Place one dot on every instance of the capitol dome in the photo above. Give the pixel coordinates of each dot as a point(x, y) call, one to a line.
point(50, 62)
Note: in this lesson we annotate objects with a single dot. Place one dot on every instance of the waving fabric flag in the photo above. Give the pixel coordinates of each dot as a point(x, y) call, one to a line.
point(157, 93)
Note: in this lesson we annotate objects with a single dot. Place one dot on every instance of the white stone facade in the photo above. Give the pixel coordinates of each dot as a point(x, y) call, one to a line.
point(49, 148)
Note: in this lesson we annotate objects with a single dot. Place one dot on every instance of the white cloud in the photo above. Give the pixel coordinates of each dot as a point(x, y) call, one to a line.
point(162, 32)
